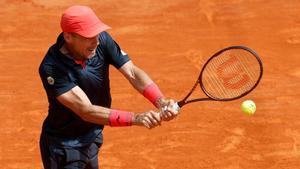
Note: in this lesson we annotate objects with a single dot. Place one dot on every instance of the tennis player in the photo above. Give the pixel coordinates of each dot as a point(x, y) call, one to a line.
point(75, 75)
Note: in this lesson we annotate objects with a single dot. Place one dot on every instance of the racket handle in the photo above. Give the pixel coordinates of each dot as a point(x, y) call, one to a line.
point(174, 107)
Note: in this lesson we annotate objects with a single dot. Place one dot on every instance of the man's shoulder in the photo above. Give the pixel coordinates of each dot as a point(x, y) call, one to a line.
point(104, 34)
point(104, 38)
point(49, 60)
point(50, 57)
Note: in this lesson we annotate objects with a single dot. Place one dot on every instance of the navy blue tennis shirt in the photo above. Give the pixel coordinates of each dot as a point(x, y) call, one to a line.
point(60, 73)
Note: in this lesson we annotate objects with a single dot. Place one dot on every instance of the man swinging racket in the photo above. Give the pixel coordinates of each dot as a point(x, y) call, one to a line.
point(75, 75)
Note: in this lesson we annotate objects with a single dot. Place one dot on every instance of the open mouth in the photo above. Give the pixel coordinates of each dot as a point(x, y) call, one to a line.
point(92, 50)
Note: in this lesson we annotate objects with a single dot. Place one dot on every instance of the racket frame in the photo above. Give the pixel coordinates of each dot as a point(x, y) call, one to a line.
point(212, 98)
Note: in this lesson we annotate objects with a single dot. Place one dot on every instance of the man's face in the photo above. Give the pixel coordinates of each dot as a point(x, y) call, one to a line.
point(81, 48)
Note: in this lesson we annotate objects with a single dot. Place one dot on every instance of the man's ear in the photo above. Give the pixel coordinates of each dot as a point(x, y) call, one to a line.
point(67, 37)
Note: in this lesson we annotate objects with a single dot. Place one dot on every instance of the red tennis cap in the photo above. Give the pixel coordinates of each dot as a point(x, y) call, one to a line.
point(82, 20)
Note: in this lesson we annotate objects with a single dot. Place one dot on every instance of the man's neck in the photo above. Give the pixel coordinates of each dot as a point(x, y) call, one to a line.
point(66, 51)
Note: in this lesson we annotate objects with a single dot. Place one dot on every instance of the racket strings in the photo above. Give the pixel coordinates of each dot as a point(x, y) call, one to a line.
point(214, 83)
point(230, 74)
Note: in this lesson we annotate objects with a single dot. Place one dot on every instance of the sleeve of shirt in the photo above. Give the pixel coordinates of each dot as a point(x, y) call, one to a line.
point(55, 81)
point(117, 57)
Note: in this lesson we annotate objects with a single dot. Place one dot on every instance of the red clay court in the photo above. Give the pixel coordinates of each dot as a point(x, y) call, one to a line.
point(170, 40)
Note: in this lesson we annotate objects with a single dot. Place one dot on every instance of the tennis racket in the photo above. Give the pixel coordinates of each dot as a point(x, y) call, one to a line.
point(229, 74)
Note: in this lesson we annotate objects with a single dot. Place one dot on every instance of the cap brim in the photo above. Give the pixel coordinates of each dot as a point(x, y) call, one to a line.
point(94, 30)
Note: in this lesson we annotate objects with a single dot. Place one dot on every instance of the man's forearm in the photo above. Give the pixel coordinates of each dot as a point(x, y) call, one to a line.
point(143, 83)
point(139, 79)
point(96, 114)
point(118, 118)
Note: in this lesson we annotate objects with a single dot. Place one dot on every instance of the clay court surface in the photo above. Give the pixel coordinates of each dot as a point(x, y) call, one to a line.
point(170, 40)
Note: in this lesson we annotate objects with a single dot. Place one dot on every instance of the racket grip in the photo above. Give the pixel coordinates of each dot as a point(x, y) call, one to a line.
point(174, 107)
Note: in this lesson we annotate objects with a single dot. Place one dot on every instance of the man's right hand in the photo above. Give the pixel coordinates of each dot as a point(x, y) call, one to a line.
point(166, 107)
point(149, 119)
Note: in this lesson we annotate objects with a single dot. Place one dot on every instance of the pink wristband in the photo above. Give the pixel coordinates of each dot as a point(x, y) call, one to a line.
point(120, 118)
point(152, 93)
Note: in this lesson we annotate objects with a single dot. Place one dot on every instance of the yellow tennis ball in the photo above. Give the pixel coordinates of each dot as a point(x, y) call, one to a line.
point(248, 107)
